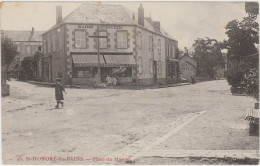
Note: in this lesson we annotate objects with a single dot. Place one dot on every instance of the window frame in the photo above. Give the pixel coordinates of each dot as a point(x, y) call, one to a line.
point(150, 44)
point(100, 39)
point(81, 46)
point(117, 41)
point(29, 49)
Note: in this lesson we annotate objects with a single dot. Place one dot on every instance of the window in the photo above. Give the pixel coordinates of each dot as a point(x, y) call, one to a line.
point(159, 46)
point(54, 43)
point(168, 50)
point(80, 39)
point(28, 49)
point(18, 49)
point(121, 39)
point(83, 72)
point(173, 52)
point(139, 40)
point(150, 43)
point(102, 41)
point(49, 45)
point(39, 48)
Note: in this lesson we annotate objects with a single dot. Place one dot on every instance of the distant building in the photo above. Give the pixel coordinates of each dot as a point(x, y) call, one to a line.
point(28, 42)
point(188, 67)
point(130, 40)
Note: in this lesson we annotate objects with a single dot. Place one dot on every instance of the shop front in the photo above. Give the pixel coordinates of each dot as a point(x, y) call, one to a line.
point(85, 68)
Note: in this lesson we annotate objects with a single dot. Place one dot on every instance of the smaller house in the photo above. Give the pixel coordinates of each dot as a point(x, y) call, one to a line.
point(28, 43)
point(188, 67)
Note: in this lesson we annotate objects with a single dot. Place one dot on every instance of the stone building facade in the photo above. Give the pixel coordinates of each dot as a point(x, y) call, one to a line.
point(125, 40)
point(188, 67)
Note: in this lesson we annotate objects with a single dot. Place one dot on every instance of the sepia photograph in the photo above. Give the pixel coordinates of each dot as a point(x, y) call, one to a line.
point(129, 82)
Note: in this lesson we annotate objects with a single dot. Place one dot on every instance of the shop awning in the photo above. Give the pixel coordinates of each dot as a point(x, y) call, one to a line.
point(86, 60)
point(119, 59)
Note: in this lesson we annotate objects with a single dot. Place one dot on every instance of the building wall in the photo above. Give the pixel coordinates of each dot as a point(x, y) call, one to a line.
point(91, 43)
point(186, 69)
point(54, 52)
point(27, 48)
point(64, 47)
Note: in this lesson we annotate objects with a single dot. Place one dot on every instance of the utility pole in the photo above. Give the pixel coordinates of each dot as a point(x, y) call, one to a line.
point(98, 52)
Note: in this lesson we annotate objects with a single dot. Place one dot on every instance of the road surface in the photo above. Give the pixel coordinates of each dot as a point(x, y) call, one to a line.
point(112, 126)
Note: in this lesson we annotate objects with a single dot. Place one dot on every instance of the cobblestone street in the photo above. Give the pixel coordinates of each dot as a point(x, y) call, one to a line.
point(122, 123)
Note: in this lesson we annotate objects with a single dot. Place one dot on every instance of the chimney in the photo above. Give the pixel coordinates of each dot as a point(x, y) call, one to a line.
point(185, 50)
point(58, 14)
point(31, 35)
point(156, 26)
point(141, 15)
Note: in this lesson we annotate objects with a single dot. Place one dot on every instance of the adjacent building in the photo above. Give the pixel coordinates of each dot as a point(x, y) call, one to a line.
point(188, 66)
point(28, 42)
point(96, 40)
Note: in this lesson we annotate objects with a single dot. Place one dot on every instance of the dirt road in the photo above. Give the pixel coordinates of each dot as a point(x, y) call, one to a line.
point(96, 124)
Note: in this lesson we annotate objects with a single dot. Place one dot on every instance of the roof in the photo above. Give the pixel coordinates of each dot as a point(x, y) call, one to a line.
point(24, 35)
point(107, 14)
point(193, 60)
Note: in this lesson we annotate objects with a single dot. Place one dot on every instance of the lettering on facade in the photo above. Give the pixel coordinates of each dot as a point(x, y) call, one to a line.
point(102, 27)
point(85, 26)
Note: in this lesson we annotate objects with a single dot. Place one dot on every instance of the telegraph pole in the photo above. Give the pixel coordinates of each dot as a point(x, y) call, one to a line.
point(98, 52)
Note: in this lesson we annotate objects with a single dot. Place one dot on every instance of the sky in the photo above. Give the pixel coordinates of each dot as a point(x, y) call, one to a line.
point(185, 21)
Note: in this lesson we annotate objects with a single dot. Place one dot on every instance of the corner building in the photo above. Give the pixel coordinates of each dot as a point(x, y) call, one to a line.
point(126, 40)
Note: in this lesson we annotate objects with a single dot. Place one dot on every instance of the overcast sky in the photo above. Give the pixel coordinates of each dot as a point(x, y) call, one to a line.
point(185, 21)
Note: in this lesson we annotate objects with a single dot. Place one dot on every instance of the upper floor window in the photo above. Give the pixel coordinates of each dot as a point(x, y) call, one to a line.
point(150, 43)
point(54, 43)
point(103, 41)
point(49, 45)
point(174, 52)
point(168, 50)
point(80, 39)
point(28, 49)
point(45, 47)
point(122, 39)
point(18, 49)
point(159, 46)
point(139, 40)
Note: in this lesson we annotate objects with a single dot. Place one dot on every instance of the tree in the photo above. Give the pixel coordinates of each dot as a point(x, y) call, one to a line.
point(242, 37)
point(208, 56)
point(29, 67)
point(8, 53)
point(243, 55)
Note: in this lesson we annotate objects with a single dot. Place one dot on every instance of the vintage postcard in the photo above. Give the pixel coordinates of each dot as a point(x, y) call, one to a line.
point(130, 83)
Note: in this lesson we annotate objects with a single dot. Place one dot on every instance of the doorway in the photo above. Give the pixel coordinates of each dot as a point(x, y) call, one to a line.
point(155, 71)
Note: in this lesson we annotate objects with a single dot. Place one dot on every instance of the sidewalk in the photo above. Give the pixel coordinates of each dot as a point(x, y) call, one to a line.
point(129, 87)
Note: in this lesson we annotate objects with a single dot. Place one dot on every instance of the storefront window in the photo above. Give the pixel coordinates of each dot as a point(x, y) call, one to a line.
point(80, 39)
point(122, 39)
point(86, 72)
point(127, 71)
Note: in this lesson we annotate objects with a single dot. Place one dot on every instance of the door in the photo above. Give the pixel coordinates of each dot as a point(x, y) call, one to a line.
point(155, 71)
